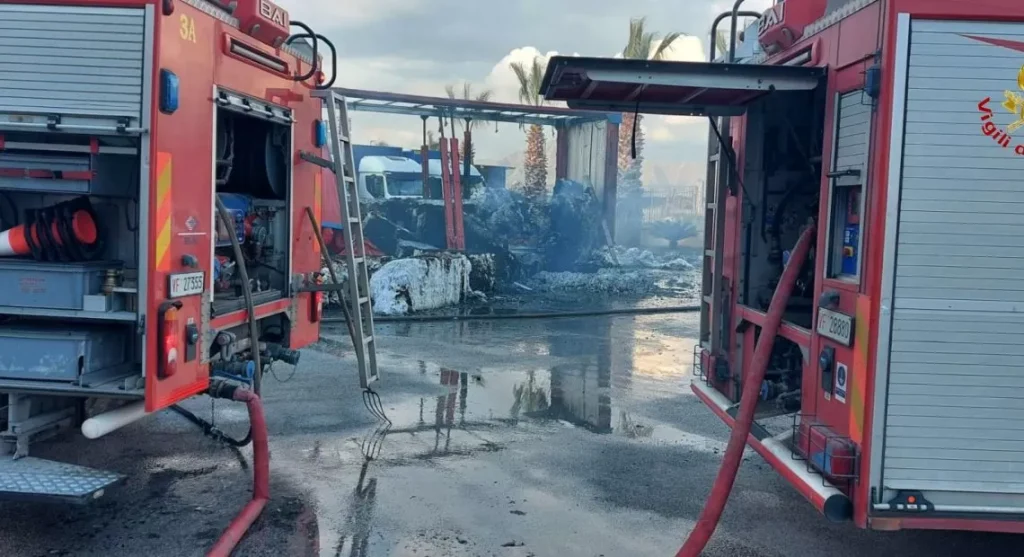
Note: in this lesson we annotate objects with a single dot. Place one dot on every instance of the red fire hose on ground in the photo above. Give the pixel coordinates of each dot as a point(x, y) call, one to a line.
point(715, 504)
point(260, 470)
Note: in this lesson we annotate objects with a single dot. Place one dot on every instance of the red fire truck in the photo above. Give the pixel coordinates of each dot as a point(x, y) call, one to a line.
point(861, 278)
point(161, 170)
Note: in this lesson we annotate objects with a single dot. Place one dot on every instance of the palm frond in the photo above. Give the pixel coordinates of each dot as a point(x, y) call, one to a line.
point(530, 80)
point(635, 39)
point(450, 89)
point(524, 81)
point(640, 43)
point(721, 43)
point(665, 46)
point(536, 79)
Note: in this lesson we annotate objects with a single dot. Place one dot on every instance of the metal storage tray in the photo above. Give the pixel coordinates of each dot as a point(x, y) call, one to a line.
point(57, 353)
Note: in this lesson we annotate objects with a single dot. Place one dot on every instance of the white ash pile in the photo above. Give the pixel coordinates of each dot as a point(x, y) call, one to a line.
point(373, 264)
point(621, 271)
point(419, 283)
point(423, 282)
point(604, 281)
point(636, 258)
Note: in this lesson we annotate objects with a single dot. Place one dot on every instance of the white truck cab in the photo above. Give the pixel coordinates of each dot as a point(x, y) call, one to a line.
point(392, 177)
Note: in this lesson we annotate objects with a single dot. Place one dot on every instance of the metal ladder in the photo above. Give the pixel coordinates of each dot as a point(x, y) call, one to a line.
point(713, 304)
point(352, 222)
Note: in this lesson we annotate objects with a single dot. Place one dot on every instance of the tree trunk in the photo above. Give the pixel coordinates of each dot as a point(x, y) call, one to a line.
point(535, 165)
point(625, 134)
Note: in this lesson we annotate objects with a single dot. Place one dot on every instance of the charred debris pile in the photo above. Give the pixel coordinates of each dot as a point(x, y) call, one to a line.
point(523, 236)
point(513, 243)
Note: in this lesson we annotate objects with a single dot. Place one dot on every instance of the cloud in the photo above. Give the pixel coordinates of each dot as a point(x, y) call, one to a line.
point(659, 133)
point(503, 81)
point(400, 131)
point(685, 49)
point(417, 47)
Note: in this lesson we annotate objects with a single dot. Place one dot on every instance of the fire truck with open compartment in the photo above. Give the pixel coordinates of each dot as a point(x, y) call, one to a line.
point(877, 148)
point(162, 166)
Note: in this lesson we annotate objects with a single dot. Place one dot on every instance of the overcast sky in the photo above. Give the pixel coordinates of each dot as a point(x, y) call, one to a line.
point(419, 46)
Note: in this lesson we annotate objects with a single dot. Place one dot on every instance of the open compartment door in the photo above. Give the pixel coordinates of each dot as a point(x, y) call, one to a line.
point(716, 91)
point(677, 88)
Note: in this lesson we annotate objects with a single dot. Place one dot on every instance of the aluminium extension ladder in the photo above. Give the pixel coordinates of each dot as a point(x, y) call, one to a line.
point(352, 222)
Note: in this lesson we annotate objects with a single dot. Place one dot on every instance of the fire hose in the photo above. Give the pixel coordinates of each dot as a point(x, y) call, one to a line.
point(260, 468)
point(712, 512)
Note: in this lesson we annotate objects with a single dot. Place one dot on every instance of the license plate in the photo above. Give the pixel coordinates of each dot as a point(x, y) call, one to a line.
point(187, 284)
point(836, 326)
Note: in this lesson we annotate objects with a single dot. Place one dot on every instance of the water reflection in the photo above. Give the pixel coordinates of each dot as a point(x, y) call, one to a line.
point(454, 414)
point(581, 391)
point(599, 373)
point(528, 397)
point(355, 530)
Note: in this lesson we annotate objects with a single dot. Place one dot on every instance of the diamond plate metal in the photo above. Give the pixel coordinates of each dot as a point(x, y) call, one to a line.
point(32, 476)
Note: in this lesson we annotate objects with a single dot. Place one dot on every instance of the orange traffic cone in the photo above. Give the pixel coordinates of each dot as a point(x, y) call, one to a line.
point(14, 241)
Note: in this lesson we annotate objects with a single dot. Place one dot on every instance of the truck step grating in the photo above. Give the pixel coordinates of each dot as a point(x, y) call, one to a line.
point(36, 478)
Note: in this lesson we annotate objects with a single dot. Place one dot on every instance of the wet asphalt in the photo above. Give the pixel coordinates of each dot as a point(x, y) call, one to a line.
point(561, 438)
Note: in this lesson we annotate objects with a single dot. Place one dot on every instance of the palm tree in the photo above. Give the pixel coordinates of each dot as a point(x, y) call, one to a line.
point(642, 45)
point(468, 124)
point(535, 165)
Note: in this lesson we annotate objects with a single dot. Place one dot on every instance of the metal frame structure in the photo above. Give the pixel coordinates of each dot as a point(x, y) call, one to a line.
point(448, 109)
point(440, 107)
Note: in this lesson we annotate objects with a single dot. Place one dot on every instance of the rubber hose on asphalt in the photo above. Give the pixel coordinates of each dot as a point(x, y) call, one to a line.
point(260, 476)
point(712, 513)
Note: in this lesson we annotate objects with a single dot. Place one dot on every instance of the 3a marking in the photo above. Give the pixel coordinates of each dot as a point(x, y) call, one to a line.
point(187, 29)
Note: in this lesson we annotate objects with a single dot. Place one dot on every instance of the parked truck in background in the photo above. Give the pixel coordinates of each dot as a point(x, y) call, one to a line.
point(394, 173)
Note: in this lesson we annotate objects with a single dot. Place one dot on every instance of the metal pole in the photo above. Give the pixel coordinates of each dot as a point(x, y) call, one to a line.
point(467, 153)
point(714, 29)
point(424, 163)
point(732, 33)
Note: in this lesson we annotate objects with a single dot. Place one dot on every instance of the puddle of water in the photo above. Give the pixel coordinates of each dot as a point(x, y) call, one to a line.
point(493, 384)
point(599, 374)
